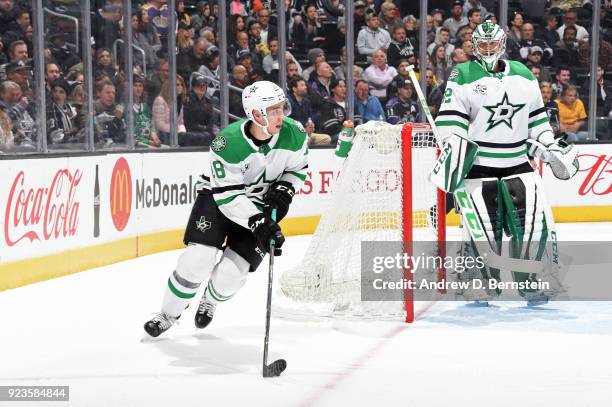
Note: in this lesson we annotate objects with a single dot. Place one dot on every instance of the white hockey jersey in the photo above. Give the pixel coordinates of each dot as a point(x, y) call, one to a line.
point(498, 111)
point(242, 172)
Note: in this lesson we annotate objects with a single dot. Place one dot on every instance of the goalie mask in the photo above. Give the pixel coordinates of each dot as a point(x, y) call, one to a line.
point(260, 96)
point(489, 43)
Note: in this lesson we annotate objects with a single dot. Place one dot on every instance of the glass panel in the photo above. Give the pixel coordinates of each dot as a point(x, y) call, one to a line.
point(18, 110)
point(198, 73)
point(66, 109)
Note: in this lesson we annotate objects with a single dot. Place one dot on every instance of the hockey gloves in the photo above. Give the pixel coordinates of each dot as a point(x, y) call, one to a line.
point(265, 230)
point(279, 196)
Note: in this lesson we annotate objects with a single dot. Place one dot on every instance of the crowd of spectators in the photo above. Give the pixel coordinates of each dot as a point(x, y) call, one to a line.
point(553, 43)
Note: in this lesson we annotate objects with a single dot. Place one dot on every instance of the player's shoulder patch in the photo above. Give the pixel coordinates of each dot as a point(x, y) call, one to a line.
point(454, 74)
point(218, 144)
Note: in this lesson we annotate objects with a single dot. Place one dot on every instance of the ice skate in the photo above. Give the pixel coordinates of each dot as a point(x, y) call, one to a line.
point(205, 312)
point(159, 324)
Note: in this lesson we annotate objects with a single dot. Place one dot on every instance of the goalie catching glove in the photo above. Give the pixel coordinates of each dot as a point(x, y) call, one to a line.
point(265, 229)
point(279, 196)
point(560, 156)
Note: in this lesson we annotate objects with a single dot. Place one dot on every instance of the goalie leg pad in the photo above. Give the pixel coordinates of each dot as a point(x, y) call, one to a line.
point(529, 219)
point(194, 266)
point(453, 163)
point(228, 277)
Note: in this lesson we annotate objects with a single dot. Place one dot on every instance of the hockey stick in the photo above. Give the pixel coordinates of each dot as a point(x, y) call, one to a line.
point(471, 220)
point(278, 366)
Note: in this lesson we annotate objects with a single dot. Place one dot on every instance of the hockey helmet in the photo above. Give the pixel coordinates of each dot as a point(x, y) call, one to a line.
point(489, 43)
point(260, 96)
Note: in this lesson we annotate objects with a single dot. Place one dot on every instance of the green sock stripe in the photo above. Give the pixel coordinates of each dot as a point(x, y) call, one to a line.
point(177, 292)
point(216, 296)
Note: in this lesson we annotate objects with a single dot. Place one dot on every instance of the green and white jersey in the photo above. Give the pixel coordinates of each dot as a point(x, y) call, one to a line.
point(241, 172)
point(498, 111)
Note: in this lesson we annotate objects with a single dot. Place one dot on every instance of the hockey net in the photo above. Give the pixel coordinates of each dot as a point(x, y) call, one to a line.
point(382, 194)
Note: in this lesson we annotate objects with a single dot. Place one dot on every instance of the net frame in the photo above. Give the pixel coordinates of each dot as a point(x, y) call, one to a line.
point(394, 146)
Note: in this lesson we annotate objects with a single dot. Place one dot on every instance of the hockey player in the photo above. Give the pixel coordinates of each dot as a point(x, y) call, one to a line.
point(491, 116)
point(257, 164)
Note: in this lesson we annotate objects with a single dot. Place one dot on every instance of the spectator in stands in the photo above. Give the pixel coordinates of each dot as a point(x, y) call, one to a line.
point(434, 92)
point(52, 73)
point(256, 43)
point(548, 32)
point(307, 31)
point(301, 107)
point(19, 73)
point(566, 52)
point(293, 71)
point(315, 56)
point(552, 109)
point(18, 51)
point(473, 4)
point(604, 91)
point(192, 60)
point(537, 72)
point(203, 18)
point(605, 52)
point(438, 18)
point(369, 107)
point(109, 123)
point(105, 27)
point(237, 8)
point(198, 114)
point(103, 64)
point(432, 31)
point(457, 57)
point(241, 45)
point(153, 84)
point(439, 63)
point(254, 73)
point(474, 19)
point(443, 40)
point(569, 20)
point(7, 15)
point(184, 37)
point(359, 17)
point(62, 123)
point(379, 75)
point(158, 16)
point(7, 139)
point(528, 41)
point(60, 52)
point(562, 80)
point(410, 24)
point(145, 134)
point(23, 124)
point(464, 34)
point(372, 37)
point(270, 61)
point(400, 47)
point(468, 49)
point(402, 108)
point(333, 111)
point(237, 23)
point(514, 29)
point(210, 70)
point(319, 87)
point(534, 60)
point(456, 19)
point(340, 70)
point(401, 77)
point(240, 80)
point(161, 109)
point(145, 37)
point(572, 114)
point(388, 17)
point(267, 29)
point(17, 28)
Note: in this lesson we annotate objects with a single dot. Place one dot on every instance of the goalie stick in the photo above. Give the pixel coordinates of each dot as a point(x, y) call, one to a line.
point(474, 226)
point(278, 366)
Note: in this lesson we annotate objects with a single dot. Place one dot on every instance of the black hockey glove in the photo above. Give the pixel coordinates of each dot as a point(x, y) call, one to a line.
point(279, 196)
point(265, 229)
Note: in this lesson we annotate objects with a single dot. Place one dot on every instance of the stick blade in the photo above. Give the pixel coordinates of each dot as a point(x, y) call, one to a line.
point(275, 368)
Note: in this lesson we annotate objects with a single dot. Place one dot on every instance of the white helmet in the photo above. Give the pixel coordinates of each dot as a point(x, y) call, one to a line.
point(260, 96)
point(488, 32)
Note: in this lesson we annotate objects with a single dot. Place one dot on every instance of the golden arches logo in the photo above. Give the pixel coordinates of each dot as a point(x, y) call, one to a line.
point(121, 194)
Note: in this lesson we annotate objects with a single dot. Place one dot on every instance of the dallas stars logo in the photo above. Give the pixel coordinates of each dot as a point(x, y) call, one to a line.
point(503, 112)
point(203, 225)
point(218, 144)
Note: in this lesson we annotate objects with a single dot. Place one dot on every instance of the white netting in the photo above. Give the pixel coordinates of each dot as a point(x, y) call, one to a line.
point(366, 205)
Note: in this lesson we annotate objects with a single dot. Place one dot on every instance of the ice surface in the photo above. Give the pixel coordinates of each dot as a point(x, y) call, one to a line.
point(84, 331)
